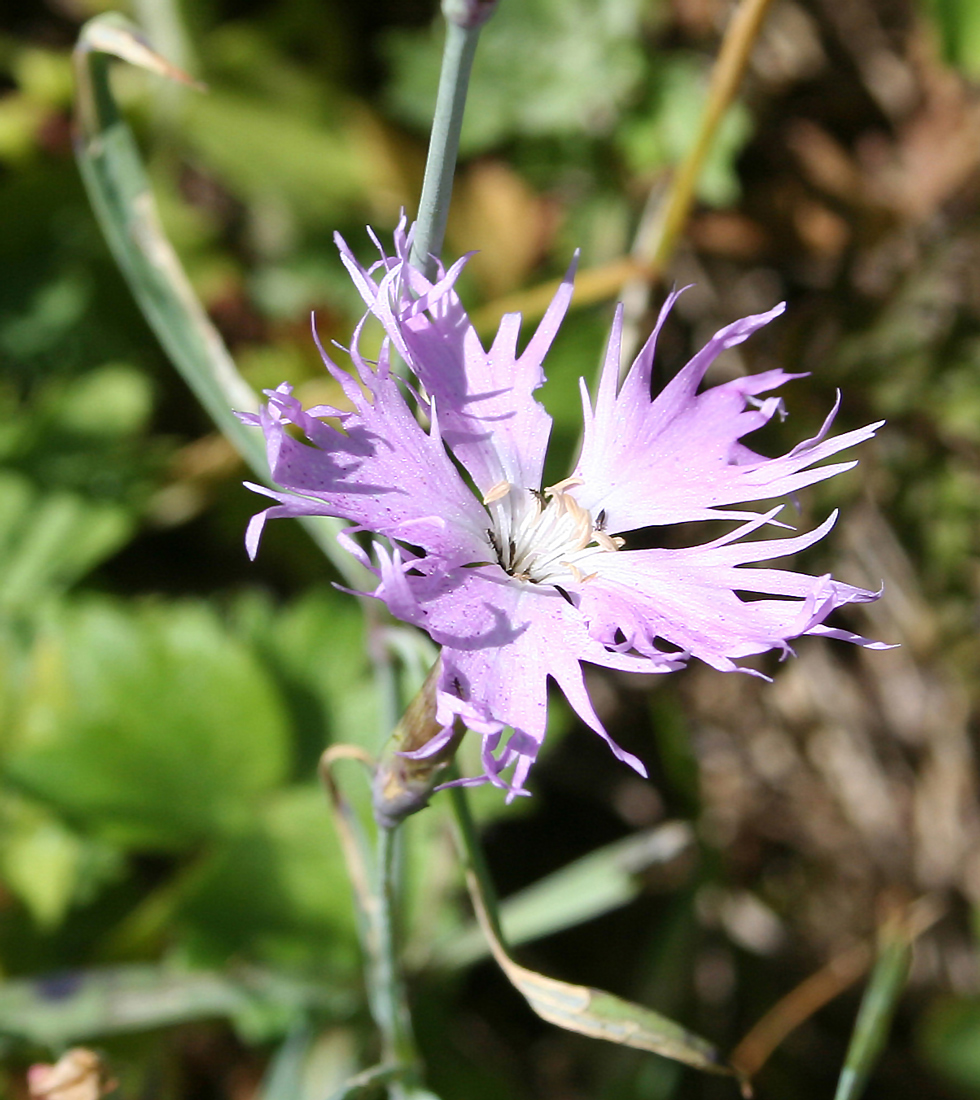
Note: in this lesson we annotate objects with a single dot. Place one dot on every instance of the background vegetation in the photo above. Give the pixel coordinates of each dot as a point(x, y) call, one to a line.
point(170, 888)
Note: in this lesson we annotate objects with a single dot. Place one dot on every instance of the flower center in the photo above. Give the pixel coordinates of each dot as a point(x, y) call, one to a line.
point(545, 537)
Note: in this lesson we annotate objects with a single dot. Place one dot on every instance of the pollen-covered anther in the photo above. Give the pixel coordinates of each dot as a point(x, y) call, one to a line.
point(577, 573)
point(608, 542)
point(581, 520)
point(497, 492)
point(565, 483)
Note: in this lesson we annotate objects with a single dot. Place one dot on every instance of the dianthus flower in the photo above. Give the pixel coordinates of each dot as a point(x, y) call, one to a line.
point(519, 581)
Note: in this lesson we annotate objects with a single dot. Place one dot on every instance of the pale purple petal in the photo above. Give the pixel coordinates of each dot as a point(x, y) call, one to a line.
point(678, 457)
point(490, 419)
point(501, 641)
point(527, 586)
point(643, 600)
point(383, 471)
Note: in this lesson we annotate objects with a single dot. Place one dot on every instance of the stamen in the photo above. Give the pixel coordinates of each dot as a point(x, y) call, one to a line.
point(497, 492)
point(561, 486)
point(607, 542)
point(546, 537)
point(580, 577)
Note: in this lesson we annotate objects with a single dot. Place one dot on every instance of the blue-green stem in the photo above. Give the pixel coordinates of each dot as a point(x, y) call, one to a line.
point(388, 992)
point(390, 1005)
point(473, 858)
point(440, 166)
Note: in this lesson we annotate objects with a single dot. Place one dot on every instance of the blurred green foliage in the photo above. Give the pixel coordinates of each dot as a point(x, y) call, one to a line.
point(592, 67)
point(949, 1041)
point(958, 23)
point(163, 703)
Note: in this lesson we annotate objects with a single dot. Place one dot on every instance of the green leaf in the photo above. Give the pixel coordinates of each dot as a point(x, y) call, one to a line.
point(878, 1005)
point(47, 865)
point(602, 1015)
point(87, 1004)
point(265, 150)
point(595, 884)
point(366, 1084)
point(958, 22)
point(50, 540)
point(54, 310)
point(277, 892)
point(114, 399)
point(283, 1079)
point(120, 194)
point(316, 647)
point(577, 1008)
point(154, 727)
point(309, 1066)
point(123, 202)
point(663, 131)
point(950, 1040)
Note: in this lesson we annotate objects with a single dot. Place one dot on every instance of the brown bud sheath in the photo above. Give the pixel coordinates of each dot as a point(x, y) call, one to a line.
point(402, 786)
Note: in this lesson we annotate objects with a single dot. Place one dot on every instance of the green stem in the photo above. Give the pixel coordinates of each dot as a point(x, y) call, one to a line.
point(473, 856)
point(437, 184)
point(383, 667)
point(390, 1004)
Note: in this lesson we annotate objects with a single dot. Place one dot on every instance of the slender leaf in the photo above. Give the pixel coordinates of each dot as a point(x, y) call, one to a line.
point(366, 1084)
point(595, 884)
point(310, 1065)
point(120, 194)
point(891, 970)
point(283, 1079)
point(602, 1015)
point(69, 1007)
point(578, 1008)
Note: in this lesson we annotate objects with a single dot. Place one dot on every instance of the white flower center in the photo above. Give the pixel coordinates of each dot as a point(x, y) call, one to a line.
point(545, 537)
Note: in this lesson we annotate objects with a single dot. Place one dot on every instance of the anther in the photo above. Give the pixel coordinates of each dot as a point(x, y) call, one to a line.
point(608, 542)
point(497, 492)
point(561, 486)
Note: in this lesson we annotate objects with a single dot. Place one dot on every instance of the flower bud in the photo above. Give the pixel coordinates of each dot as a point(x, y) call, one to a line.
point(78, 1075)
point(403, 780)
point(468, 13)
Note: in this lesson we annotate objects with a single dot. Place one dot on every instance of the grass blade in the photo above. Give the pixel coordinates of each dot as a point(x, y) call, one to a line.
point(578, 1008)
point(888, 977)
point(597, 883)
point(86, 1004)
point(120, 194)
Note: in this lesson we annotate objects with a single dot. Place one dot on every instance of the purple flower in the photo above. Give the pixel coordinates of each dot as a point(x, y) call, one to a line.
point(519, 582)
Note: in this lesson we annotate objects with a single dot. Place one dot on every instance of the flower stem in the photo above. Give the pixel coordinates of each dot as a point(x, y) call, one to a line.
point(474, 860)
point(389, 1002)
point(440, 166)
